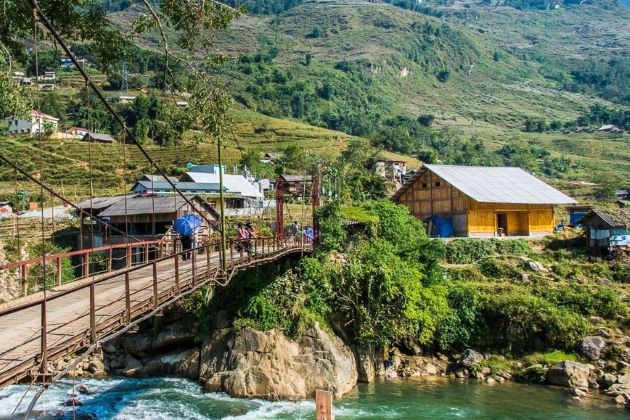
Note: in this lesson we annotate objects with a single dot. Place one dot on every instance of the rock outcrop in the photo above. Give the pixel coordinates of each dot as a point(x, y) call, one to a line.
point(593, 346)
point(569, 374)
point(470, 358)
point(254, 364)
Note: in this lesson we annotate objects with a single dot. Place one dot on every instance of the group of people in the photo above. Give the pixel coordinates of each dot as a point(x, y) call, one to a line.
point(246, 233)
point(294, 232)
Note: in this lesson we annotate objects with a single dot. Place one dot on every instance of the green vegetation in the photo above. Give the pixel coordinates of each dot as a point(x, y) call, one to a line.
point(378, 279)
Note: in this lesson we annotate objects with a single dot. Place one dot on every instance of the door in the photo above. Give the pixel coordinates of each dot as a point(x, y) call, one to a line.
point(502, 224)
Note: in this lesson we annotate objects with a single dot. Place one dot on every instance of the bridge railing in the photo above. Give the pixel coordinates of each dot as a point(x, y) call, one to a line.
point(81, 312)
point(30, 273)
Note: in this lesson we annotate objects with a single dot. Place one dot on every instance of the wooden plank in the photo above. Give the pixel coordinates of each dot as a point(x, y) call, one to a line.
point(323, 405)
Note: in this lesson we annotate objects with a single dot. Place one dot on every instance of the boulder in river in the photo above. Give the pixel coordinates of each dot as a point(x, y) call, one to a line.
point(470, 358)
point(569, 374)
point(255, 364)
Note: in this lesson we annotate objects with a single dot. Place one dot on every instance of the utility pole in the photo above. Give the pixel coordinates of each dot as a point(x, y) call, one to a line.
point(222, 206)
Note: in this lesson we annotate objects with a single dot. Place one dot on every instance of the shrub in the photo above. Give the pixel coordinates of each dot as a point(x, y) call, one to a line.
point(461, 325)
point(466, 251)
point(512, 246)
point(468, 273)
point(534, 375)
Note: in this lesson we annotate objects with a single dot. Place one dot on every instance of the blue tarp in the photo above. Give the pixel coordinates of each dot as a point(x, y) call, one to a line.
point(574, 218)
point(443, 226)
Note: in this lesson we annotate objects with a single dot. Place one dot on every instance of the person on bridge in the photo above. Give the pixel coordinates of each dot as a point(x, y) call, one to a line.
point(293, 230)
point(243, 236)
point(187, 245)
point(251, 234)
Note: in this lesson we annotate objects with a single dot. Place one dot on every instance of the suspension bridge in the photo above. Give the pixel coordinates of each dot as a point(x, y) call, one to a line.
point(43, 327)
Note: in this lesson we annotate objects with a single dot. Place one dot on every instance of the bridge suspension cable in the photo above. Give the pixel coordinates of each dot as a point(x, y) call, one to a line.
point(34, 5)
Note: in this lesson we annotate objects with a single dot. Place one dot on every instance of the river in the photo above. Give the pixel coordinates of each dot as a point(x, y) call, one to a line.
point(170, 398)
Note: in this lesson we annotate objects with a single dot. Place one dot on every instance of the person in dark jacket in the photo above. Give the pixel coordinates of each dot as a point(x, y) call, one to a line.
point(187, 244)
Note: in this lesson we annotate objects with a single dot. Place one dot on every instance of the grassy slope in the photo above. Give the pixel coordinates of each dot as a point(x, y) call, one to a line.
point(67, 162)
point(484, 98)
point(489, 99)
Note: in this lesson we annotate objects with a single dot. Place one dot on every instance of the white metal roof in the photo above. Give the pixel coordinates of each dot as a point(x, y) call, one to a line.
point(500, 185)
point(233, 183)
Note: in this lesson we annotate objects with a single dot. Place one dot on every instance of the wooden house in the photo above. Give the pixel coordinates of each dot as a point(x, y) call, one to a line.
point(481, 201)
point(607, 230)
point(154, 215)
point(98, 138)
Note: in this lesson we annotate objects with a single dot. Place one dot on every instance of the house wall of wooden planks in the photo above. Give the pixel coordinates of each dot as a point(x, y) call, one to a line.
point(432, 195)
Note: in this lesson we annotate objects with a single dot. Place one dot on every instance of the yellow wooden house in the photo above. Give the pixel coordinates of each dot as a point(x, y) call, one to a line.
point(481, 201)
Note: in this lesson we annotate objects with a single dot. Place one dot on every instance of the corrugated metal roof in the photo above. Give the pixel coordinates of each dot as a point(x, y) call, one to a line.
point(495, 185)
point(296, 178)
point(98, 203)
point(147, 205)
point(618, 218)
point(182, 186)
point(234, 183)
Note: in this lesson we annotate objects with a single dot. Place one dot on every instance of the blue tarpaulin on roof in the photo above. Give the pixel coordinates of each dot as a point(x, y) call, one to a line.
point(574, 218)
point(443, 226)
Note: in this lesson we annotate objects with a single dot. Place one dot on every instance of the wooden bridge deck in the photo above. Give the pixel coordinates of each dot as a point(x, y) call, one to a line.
point(75, 315)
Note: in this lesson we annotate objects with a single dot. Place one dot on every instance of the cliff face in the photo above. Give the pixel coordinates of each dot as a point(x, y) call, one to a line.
point(253, 364)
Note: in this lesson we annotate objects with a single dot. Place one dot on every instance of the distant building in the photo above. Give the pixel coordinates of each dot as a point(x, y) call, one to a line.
point(157, 178)
point(391, 169)
point(207, 169)
point(271, 157)
point(296, 185)
point(163, 187)
point(38, 122)
point(6, 210)
point(481, 201)
point(126, 99)
point(181, 104)
point(607, 230)
point(622, 194)
point(98, 138)
point(77, 132)
point(234, 184)
point(48, 87)
point(577, 213)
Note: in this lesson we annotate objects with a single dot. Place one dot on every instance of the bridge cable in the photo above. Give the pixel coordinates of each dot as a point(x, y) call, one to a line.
point(40, 133)
point(34, 4)
point(46, 187)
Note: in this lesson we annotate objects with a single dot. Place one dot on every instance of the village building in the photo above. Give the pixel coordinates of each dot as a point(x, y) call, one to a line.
point(234, 184)
point(154, 216)
point(38, 122)
point(607, 230)
point(6, 210)
point(577, 213)
point(77, 132)
point(98, 138)
point(298, 186)
point(157, 178)
point(481, 201)
point(163, 188)
point(271, 157)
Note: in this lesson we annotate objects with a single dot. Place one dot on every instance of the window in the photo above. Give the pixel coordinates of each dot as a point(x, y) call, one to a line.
point(424, 185)
point(438, 183)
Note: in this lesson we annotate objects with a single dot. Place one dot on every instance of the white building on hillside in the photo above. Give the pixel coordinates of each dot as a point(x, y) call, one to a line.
point(38, 122)
point(236, 184)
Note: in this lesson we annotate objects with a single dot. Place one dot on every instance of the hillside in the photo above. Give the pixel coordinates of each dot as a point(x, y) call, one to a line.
point(473, 73)
point(479, 70)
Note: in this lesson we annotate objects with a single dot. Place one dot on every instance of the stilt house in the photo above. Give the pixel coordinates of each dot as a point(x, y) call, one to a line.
point(481, 201)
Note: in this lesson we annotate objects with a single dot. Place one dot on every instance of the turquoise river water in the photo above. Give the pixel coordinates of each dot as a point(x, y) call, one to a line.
point(170, 398)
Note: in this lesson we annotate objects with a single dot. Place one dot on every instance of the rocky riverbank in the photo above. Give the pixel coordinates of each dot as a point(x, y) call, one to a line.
point(248, 363)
